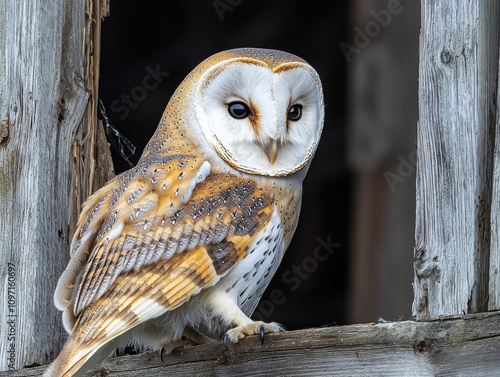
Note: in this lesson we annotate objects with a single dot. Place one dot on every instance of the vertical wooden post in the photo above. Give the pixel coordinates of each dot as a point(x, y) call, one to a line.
point(494, 272)
point(48, 145)
point(457, 104)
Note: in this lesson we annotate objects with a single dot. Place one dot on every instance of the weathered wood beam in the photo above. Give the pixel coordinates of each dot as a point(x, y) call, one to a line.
point(49, 146)
point(457, 107)
point(494, 268)
point(465, 346)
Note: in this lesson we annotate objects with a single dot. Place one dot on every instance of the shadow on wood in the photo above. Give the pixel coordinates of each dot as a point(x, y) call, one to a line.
point(468, 345)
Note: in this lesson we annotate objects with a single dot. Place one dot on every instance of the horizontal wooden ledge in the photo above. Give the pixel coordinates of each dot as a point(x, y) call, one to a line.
point(467, 345)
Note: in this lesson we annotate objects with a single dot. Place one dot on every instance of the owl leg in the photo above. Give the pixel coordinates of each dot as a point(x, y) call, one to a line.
point(169, 347)
point(195, 336)
point(190, 337)
point(229, 311)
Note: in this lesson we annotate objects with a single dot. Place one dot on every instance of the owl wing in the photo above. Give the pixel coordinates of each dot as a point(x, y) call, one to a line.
point(152, 238)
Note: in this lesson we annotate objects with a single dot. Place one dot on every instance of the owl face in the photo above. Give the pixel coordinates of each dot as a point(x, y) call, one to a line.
point(261, 117)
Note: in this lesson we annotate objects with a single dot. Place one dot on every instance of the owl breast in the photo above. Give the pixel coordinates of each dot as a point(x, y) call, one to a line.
point(248, 280)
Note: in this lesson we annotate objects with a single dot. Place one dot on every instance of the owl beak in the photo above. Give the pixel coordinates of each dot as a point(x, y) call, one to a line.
point(272, 152)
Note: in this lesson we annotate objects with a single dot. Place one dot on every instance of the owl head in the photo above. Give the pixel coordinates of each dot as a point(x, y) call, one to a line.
point(260, 111)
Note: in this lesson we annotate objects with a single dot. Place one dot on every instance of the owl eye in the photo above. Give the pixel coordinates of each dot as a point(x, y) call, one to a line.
point(238, 110)
point(295, 113)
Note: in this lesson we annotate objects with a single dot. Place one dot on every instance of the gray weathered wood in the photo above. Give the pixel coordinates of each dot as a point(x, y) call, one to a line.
point(468, 346)
point(494, 270)
point(457, 105)
point(48, 145)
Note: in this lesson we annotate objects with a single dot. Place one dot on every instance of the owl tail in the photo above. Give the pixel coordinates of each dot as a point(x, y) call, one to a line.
point(75, 359)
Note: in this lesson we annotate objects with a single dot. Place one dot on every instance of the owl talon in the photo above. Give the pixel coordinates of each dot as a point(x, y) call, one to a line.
point(169, 347)
point(262, 333)
point(226, 337)
point(162, 349)
point(282, 328)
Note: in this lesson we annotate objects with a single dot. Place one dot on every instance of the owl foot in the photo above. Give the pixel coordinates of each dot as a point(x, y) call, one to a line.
point(168, 348)
point(190, 337)
point(254, 328)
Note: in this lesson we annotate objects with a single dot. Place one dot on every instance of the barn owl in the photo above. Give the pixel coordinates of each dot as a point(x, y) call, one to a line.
point(182, 246)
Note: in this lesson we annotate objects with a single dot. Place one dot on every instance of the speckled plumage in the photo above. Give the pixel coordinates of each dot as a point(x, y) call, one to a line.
point(188, 240)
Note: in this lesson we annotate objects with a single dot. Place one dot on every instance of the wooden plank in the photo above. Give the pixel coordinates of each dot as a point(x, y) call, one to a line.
point(457, 105)
point(466, 346)
point(47, 99)
point(494, 271)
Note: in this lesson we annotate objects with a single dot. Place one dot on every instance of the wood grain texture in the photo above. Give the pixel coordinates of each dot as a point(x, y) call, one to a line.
point(457, 106)
point(494, 268)
point(466, 346)
point(47, 100)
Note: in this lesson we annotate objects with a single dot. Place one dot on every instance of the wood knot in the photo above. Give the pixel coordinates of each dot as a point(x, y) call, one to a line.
point(4, 131)
point(34, 365)
point(424, 346)
point(446, 57)
point(222, 359)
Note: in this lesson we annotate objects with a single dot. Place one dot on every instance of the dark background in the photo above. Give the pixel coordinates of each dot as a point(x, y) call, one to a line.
point(173, 37)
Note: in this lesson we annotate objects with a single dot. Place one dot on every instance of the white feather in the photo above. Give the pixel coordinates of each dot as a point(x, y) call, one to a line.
point(201, 175)
point(115, 232)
